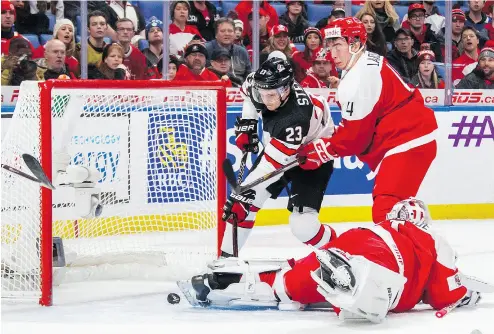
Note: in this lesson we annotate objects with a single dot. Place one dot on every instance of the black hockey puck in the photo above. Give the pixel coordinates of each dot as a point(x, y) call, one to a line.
point(173, 298)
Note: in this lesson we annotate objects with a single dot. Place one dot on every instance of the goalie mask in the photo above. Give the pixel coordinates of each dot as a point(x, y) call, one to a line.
point(272, 82)
point(412, 210)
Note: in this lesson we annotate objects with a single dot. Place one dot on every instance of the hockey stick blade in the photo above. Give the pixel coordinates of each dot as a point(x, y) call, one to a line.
point(20, 173)
point(230, 175)
point(34, 166)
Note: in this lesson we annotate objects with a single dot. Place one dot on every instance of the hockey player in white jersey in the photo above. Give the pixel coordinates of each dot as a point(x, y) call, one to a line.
point(291, 117)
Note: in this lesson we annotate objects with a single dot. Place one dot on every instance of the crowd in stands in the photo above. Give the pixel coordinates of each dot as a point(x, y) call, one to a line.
point(212, 40)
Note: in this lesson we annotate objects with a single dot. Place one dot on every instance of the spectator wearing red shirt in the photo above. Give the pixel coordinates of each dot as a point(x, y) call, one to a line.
point(323, 73)
point(467, 62)
point(303, 59)
point(195, 65)
point(426, 76)
point(8, 33)
point(244, 8)
point(180, 32)
point(134, 60)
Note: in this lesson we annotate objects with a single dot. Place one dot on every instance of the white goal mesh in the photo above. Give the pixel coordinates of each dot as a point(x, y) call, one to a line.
point(155, 149)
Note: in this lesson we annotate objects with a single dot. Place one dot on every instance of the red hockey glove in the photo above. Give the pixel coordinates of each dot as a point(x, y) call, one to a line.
point(238, 205)
point(314, 154)
point(246, 135)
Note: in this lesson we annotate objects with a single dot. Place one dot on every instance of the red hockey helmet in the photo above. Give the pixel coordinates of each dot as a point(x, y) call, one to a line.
point(412, 210)
point(349, 28)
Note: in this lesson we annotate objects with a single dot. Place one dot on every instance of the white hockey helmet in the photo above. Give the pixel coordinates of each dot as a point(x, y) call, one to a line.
point(412, 210)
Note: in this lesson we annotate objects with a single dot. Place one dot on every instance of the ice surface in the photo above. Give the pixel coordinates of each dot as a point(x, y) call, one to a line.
point(141, 307)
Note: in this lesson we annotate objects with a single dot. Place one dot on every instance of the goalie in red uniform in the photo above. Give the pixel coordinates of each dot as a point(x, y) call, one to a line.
point(364, 273)
point(384, 121)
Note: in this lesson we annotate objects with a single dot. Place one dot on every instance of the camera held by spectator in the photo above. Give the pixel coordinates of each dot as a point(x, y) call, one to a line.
point(17, 66)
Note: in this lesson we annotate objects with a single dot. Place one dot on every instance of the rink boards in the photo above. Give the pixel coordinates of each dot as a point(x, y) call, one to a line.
point(459, 185)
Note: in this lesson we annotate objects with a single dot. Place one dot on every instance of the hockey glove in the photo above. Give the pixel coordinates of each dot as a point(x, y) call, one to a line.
point(246, 137)
point(238, 205)
point(471, 299)
point(314, 154)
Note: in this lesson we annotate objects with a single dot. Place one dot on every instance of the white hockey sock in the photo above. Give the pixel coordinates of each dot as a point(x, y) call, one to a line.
point(307, 228)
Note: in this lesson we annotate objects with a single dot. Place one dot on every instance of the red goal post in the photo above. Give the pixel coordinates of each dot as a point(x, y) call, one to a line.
point(162, 193)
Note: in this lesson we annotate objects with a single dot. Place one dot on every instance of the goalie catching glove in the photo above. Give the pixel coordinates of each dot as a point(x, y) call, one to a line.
point(314, 154)
point(238, 205)
point(246, 137)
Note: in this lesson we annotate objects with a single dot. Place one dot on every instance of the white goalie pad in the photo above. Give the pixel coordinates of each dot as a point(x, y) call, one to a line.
point(249, 292)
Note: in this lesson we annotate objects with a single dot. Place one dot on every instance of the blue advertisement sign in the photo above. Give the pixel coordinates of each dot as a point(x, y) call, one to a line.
point(176, 167)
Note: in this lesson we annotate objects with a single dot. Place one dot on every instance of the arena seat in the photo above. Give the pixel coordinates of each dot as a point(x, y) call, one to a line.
point(279, 7)
point(43, 38)
point(317, 12)
point(52, 20)
point(143, 44)
point(228, 6)
point(355, 10)
point(401, 11)
point(33, 39)
point(300, 46)
point(77, 24)
point(151, 8)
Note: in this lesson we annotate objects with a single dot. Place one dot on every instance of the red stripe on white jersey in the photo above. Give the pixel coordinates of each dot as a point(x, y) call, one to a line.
point(280, 146)
point(317, 103)
point(273, 162)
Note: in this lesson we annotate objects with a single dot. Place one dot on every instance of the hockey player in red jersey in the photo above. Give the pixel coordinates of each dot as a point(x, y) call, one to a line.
point(384, 121)
point(364, 273)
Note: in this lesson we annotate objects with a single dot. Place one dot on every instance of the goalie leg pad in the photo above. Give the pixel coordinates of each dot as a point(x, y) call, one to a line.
point(234, 283)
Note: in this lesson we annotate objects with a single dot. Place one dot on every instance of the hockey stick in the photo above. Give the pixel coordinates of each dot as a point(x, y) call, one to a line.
point(442, 312)
point(35, 167)
point(230, 176)
point(240, 177)
point(475, 284)
point(20, 173)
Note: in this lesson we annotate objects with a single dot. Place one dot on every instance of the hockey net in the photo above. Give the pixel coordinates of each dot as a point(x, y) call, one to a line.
point(157, 149)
